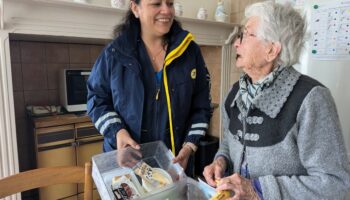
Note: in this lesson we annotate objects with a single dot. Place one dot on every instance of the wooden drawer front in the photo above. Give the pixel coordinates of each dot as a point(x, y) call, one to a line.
point(56, 146)
point(55, 137)
point(54, 134)
point(87, 132)
point(62, 191)
point(87, 148)
point(95, 195)
point(84, 124)
point(57, 157)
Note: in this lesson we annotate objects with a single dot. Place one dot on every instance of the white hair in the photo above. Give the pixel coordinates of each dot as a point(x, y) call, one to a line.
point(283, 24)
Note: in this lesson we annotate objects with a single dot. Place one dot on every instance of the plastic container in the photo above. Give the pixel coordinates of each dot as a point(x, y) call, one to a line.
point(186, 189)
point(155, 154)
point(163, 173)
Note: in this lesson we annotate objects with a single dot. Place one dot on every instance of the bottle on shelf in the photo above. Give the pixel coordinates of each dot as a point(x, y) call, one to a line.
point(202, 13)
point(220, 14)
point(178, 9)
point(80, 1)
point(118, 4)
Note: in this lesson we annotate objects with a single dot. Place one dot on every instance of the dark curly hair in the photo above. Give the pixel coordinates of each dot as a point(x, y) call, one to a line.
point(131, 24)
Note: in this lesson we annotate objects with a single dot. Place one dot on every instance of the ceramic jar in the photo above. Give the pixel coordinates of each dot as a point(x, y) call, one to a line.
point(220, 14)
point(202, 13)
point(118, 3)
point(178, 9)
point(80, 1)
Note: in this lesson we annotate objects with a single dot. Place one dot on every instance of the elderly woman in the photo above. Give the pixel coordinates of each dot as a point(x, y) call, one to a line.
point(282, 136)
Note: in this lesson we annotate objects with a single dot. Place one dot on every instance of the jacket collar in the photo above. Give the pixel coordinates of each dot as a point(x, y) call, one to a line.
point(271, 99)
point(177, 36)
point(127, 42)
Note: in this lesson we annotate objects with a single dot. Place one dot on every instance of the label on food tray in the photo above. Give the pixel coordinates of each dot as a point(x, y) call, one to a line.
point(123, 188)
point(146, 172)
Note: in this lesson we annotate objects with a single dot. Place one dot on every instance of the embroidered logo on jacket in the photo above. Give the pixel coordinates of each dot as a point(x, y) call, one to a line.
point(193, 73)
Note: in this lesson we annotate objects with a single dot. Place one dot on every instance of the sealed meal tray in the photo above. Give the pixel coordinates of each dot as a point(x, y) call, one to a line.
point(147, 173)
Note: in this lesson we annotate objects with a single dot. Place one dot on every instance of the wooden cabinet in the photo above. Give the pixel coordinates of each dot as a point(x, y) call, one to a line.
point(65, 140)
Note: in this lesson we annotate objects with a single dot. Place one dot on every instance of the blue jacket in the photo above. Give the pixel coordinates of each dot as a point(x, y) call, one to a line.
point(116, 90)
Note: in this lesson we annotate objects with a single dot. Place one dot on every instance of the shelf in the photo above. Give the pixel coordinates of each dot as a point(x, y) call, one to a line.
point(90, 20)
point(70, 3)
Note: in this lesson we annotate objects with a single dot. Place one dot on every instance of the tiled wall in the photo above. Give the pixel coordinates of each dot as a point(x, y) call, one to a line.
point(35, 66)
point(237, 15)
point(237, 9)
point(212, 58)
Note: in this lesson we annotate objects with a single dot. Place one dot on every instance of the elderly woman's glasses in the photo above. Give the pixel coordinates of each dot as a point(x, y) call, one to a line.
point(244, 34)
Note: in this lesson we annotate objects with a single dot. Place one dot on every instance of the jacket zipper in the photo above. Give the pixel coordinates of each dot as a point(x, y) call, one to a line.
point(157, 93)
point(158, 86)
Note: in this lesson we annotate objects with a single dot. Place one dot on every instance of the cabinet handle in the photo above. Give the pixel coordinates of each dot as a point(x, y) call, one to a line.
point(74, 144)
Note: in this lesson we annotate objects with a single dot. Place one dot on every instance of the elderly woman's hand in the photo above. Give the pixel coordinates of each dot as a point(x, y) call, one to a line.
point(240, 187)
point(215, 171)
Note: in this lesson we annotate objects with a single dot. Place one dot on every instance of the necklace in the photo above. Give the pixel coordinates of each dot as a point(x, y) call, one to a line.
point(153, 57)
point(156, 55)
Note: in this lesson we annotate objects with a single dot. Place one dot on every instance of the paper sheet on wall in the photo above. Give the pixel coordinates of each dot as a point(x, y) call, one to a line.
point(330, 29)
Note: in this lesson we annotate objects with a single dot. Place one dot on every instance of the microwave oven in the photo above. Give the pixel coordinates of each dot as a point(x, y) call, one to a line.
point(73, 89)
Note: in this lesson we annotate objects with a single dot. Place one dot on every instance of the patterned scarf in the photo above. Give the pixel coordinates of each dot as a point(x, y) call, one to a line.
point(248, 91)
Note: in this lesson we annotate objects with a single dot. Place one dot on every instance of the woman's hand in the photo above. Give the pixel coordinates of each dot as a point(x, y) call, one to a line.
point(124, 140)
point(241, 187)
point(183, 156)
point(128, 157)
point(215, 171)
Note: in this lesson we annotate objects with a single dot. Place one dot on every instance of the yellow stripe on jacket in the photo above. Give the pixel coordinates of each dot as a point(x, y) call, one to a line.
point(177, 52)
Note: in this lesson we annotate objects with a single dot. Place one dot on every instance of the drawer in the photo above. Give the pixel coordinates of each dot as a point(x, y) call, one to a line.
point(52, 135)
point(89, 131)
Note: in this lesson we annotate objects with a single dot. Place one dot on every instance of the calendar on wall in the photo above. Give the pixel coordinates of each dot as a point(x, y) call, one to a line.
point(330, 30)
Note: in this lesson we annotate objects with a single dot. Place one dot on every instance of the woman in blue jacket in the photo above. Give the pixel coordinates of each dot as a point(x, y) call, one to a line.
point(151, 83)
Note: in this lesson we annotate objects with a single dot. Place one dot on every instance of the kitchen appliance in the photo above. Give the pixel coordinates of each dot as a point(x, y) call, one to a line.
point(73, 91)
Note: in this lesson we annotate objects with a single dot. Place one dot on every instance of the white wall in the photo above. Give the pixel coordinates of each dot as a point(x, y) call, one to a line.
point(190, 7)
point(333, 73)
